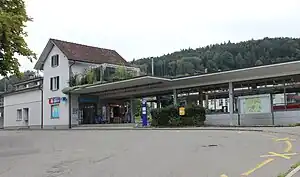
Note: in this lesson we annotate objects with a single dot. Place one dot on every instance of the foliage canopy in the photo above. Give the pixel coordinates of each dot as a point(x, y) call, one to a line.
point(222, 57)
point(13, 18)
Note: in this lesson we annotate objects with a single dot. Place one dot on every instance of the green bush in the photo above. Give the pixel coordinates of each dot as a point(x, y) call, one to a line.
point(169, 116)
point(164, 116)
point(175, 121)
point(197, 114)
point(187, 121)
point(154, 115)
point(154, 122)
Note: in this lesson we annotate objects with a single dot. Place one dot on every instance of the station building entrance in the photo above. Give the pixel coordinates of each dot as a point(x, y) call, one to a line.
point(93, 110)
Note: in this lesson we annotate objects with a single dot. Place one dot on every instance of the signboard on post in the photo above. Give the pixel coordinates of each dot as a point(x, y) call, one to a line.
point(144, 112)
point(181, 111)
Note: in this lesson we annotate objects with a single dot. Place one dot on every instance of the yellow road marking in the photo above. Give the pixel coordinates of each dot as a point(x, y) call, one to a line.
point(273, 136)
point(272, 154)
point(257, 167)
point(288, 154)
point(289, 146)
point(284, 139)
point(280, 155)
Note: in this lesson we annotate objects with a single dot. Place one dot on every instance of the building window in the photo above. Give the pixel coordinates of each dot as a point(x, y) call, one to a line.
point(221, 102)
point(54, 111)
point(19, 114)
point(54, 83)
point(26, 113)
point(54, 60)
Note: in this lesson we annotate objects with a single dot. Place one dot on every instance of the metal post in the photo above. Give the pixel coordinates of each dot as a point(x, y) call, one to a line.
point(231, 107)
point(201, 97)
point(272, 112)
point(215, 102)
point(158, 102)
point(70, 111)
point(152, 66)
point(131, 111)
point(175, 97)
point(206, 100)
point(284, 95)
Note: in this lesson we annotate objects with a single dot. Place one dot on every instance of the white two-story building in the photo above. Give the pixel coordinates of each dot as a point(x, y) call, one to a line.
point(60, 61)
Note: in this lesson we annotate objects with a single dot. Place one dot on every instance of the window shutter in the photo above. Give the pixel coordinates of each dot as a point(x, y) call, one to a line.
point(57, 82)
point(51, 83)
point(57, 60)
point(52, 61)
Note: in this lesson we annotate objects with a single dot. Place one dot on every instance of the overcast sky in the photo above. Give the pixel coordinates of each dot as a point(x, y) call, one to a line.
point(144, 28)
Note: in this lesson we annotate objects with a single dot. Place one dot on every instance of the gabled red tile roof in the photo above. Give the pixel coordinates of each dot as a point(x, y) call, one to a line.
point(84, 53)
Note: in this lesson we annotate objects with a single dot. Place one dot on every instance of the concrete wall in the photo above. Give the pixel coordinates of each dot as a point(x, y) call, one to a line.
point(221, 119)
point(63, 72)
point(31, 100)
point(286, 117)
point(256, 119)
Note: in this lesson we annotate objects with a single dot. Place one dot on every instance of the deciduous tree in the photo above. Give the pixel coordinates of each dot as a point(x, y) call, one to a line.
point(13, 18)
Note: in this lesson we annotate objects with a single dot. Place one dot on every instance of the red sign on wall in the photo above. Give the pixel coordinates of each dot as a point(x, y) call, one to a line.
point(54, 100)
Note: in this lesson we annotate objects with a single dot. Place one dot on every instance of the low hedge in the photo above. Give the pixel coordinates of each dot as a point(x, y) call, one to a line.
point(169, 116)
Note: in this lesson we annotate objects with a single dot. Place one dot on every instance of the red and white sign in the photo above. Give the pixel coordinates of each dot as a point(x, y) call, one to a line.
point(54, 100)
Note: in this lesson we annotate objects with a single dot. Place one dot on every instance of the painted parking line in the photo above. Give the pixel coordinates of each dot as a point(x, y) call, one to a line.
point(258, 166)
point(280, 155)
point(287, 141)
point(289, 146)
point(285, 155)
point(276, 155)
point(284, 139)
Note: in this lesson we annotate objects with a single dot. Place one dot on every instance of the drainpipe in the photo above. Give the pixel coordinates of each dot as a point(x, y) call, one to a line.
point(42, 106)
point(69, 96)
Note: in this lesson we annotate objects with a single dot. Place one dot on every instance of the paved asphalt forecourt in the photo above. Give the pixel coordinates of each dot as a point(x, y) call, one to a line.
point(148, 153)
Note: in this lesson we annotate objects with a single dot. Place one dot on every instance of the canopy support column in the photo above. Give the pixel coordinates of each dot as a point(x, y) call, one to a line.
point(132, 111)
point(200, 98)
point(175, 97)
point(231, 103)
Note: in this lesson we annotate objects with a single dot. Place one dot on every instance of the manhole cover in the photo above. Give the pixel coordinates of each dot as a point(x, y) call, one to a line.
point(210, 145)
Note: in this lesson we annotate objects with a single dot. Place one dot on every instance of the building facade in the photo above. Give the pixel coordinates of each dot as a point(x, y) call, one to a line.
point(23, 105)
point(60, 61)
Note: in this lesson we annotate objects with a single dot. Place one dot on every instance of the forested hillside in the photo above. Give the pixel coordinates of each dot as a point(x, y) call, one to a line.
point(222, 57)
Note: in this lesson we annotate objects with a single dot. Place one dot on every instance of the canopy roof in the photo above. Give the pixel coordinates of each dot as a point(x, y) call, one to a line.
point(150, 86)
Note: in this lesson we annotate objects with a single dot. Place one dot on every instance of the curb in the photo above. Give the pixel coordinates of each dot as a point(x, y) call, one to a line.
point(293, 172)
point(183, 129)
point(288, 133)
point(250, 129)
point(138, 129)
